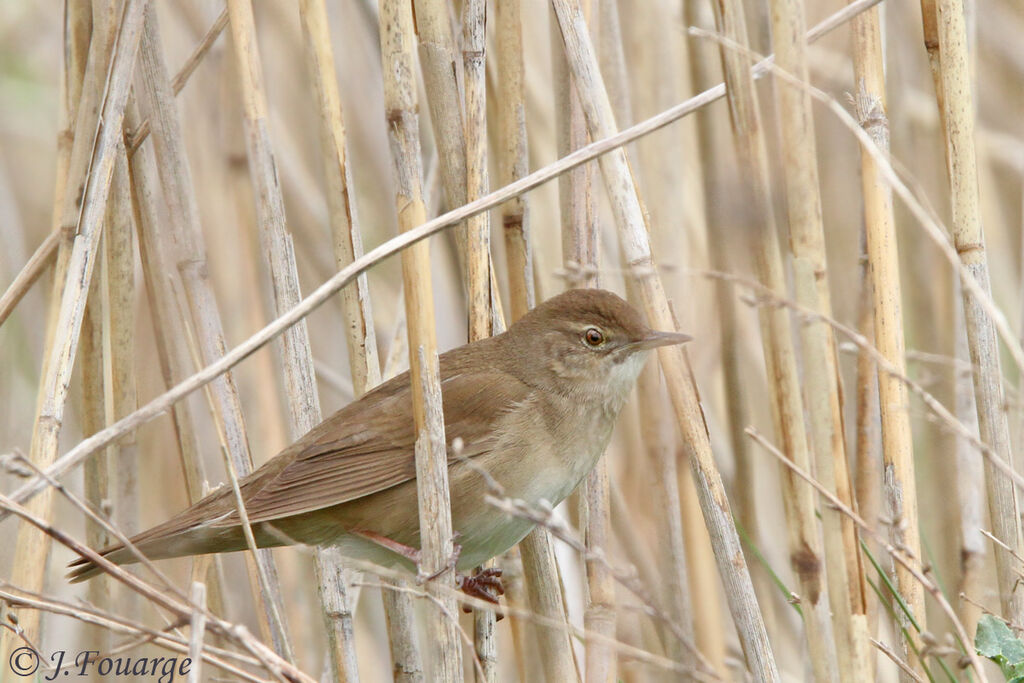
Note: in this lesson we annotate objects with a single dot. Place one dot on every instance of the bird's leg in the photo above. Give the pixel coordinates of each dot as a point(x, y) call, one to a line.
point(408, 552)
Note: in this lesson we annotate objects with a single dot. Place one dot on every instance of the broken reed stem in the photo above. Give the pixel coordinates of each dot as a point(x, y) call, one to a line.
point(821, 373)
point(805, 543)
point(100, 145)
point(636, 250)
point(364, 364)
point(957, 107)
point(396, 39)
point(900, 489)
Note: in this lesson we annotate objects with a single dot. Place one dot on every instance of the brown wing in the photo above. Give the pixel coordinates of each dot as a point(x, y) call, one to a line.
point(368, 447)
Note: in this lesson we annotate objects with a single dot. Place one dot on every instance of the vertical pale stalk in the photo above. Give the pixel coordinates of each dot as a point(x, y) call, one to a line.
point(84, 220)
point(745, 477)
point(162, 280)
point(805, 544)
point(656, 430)
point(478, 249)
point(513, 162)
point(580, 256)
point(708, 620)
point(396, 39)
point(303, 403)
point(970, 477)
point(96, 471)
point(190, 262)
point(957, 107)
point(359, 333)
point(544, 591)
point(119, 269)
point(821, 378)
point(868, 449)
point(636, 248)
point(900, 489)
point(541, 575)
point(580, 238)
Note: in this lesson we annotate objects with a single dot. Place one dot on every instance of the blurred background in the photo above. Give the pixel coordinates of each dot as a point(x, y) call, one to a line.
point(702, 222)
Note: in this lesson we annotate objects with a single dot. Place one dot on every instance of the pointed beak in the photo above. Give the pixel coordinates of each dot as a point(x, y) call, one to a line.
point(655, 338)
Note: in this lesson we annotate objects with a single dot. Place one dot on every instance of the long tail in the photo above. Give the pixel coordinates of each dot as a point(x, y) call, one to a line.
point(161, 543)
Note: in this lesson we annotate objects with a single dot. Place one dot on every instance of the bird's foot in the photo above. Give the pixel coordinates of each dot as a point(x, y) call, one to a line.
point(484, 584)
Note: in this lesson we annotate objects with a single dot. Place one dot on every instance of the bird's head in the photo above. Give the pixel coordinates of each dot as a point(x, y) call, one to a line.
point(589, 343)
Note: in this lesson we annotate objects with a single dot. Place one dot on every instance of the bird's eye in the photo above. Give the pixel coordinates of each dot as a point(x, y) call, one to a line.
point(593, 336)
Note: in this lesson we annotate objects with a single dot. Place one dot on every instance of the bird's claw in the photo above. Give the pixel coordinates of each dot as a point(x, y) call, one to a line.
point(485, 584)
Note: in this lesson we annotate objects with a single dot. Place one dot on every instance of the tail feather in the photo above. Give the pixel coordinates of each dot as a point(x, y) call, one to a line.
point(156, 545)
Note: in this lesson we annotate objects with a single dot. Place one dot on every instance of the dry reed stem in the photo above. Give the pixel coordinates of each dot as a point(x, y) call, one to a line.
point(844, 576)
point(580, 236)
point(868, 428)
point(182, 609)
point(160, 278)
point(119, 272)
point(658, 438)
point(544, 591)
point(37, 264)
point(897, 446)
point(47, 249)
point(970, 479)
point(478, 249)
point(513, 162)
point(200, 306)
point(121, 626)
point(442, 75)
point(197, 627)
point(804, 533)
point(296, 356)
point(636, 250)
point(96, 472)
point(396, 244)
point(657, 433)
point(364, 364)
point(580, 255)
point(31, 546)
point(396, 39)
point(957, 109)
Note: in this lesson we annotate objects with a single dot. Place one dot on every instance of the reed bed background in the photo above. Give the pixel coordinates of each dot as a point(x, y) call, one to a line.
point(824, 483)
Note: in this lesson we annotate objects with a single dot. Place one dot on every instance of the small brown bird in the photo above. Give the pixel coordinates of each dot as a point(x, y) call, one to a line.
point(533, 408)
